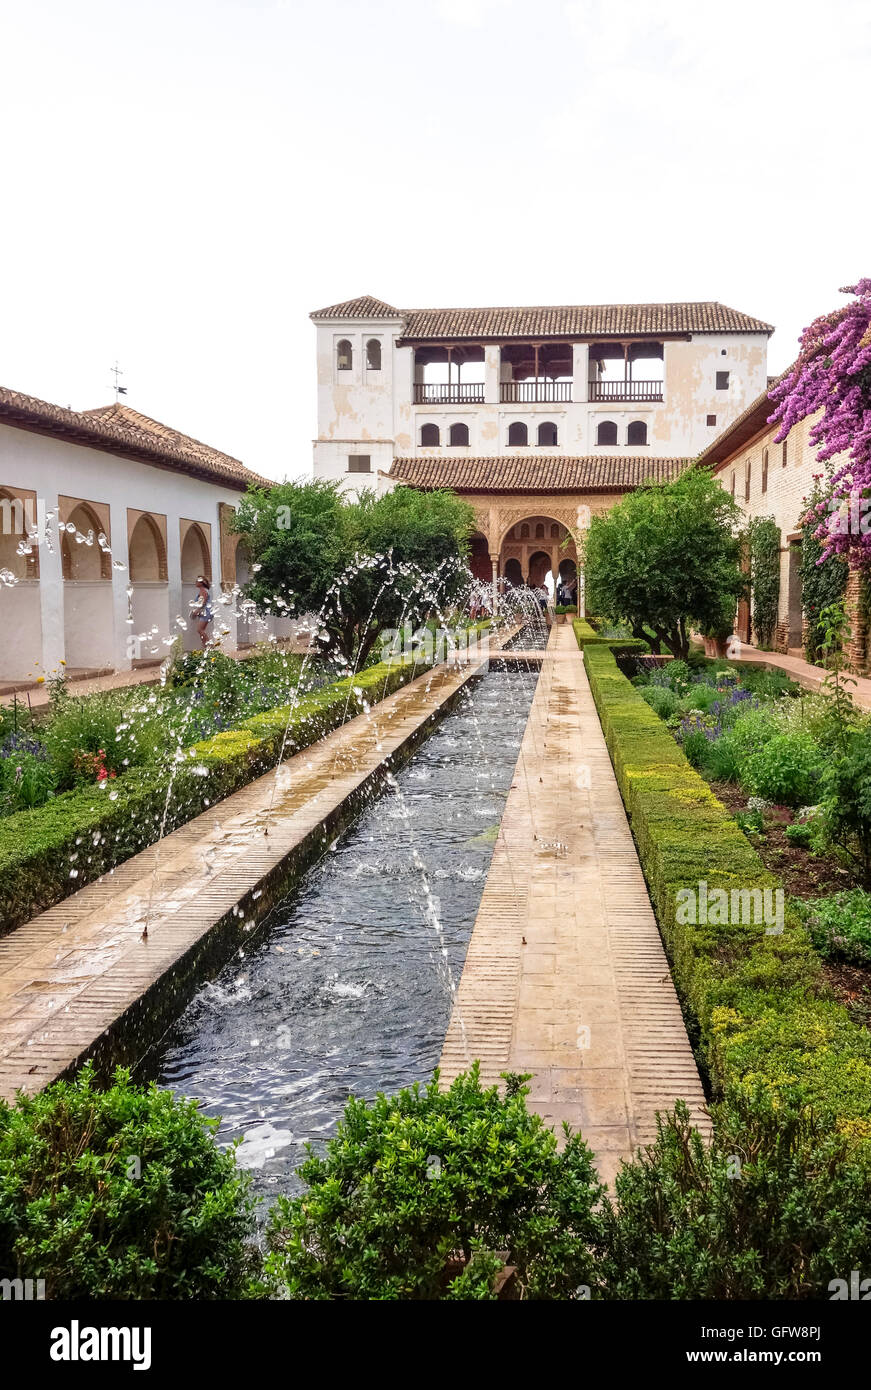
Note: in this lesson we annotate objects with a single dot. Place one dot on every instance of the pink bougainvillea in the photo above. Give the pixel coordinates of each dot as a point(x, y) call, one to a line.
point(832, 374)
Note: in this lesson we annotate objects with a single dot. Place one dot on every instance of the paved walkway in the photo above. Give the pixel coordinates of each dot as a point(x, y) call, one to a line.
point(811, 677)
point(71, 973)
point(565, 975)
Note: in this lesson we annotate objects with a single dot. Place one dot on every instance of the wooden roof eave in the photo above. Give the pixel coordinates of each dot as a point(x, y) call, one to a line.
point(438, 340)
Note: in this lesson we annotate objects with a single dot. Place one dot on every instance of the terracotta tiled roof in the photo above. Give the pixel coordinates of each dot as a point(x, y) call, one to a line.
point(118, 429)
point(580, 320)
point(555, 321)
point(536, 472)
point(363, 308)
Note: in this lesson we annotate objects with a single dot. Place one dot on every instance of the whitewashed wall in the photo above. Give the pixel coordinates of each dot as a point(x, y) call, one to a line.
point(363, 412)
point(84, 623)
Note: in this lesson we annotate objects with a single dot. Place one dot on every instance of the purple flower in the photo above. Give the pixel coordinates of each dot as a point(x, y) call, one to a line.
point(20, 743)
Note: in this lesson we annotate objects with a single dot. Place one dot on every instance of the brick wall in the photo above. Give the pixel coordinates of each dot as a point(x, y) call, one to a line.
point(857, 647)
point(789, 480)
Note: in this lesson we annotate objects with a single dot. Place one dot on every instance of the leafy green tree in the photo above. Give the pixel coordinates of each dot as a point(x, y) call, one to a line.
point(361, 566)
point(298, 538)
point(665, 558)
point(822, 581)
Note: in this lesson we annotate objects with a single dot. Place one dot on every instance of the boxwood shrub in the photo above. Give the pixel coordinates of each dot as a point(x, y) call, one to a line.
point(430, 1194)
point(54, 849)
point(121, 1193)
point(776, 1207)
point(588, 636)
point(757, 1002)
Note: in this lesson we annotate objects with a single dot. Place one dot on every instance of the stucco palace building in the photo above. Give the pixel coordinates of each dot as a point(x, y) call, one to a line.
point(539, 417)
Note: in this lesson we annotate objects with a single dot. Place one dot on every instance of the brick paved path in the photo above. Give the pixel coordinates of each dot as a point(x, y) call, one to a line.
point(565, 975)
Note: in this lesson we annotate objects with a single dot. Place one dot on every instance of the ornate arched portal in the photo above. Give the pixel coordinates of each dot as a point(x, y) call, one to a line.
point(537, 545)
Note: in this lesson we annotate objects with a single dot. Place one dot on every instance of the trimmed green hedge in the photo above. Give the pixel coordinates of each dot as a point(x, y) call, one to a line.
point(587, 636)
point(50, 851)
point(758, 1001)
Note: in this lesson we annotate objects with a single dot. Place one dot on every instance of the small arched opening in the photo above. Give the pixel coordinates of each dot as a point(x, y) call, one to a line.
point(149, 601)
point(22, 614)
point(541, 571)
point(195, 562)
point(89, 628)
point(513, 572)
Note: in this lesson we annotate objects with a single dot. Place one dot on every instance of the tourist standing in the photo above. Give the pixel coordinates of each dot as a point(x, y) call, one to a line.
point(203, 613)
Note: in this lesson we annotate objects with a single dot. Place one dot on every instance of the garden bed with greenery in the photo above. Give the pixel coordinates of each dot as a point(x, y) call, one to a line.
point(134, 775)
point(793, 768)
point(457, 1194)
point(757, 1004)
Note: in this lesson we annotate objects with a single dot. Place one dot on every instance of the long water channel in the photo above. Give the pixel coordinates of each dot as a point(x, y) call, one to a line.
point(345, 988)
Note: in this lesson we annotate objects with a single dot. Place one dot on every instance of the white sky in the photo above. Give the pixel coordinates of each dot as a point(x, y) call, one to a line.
point(184, 182)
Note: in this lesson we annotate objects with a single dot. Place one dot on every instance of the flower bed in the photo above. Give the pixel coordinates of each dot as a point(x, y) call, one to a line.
point(82, 739)
point(757, 1002)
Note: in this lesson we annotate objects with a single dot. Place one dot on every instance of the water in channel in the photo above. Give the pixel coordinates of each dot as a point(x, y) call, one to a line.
point(345, 988)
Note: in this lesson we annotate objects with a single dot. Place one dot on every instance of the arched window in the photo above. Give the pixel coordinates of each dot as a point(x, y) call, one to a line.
point(17, 518)
point(344, 356)
point(518, 433)
point(547, 434)
point(459, 435)
point(554, 532)
point(606, 433)
point(539, 531)
point(146, 552)
point(430, 436)
point(637, 432)
point(524, 532)
point(195, 557)
point(82, 555)
point(373, 355)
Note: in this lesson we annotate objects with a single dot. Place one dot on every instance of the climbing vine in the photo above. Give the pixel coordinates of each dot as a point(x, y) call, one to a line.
point(821, 583)
point(764, 546)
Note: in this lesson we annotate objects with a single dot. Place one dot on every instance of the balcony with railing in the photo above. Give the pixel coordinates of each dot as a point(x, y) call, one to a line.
point(613, 371)
point(533, 372)
point(448, 374)
point(449, 393)
point(625, 390)
point(536, 389)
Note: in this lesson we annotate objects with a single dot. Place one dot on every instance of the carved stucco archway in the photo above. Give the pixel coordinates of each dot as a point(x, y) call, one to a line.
point(495, 516)
point(528, 535)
